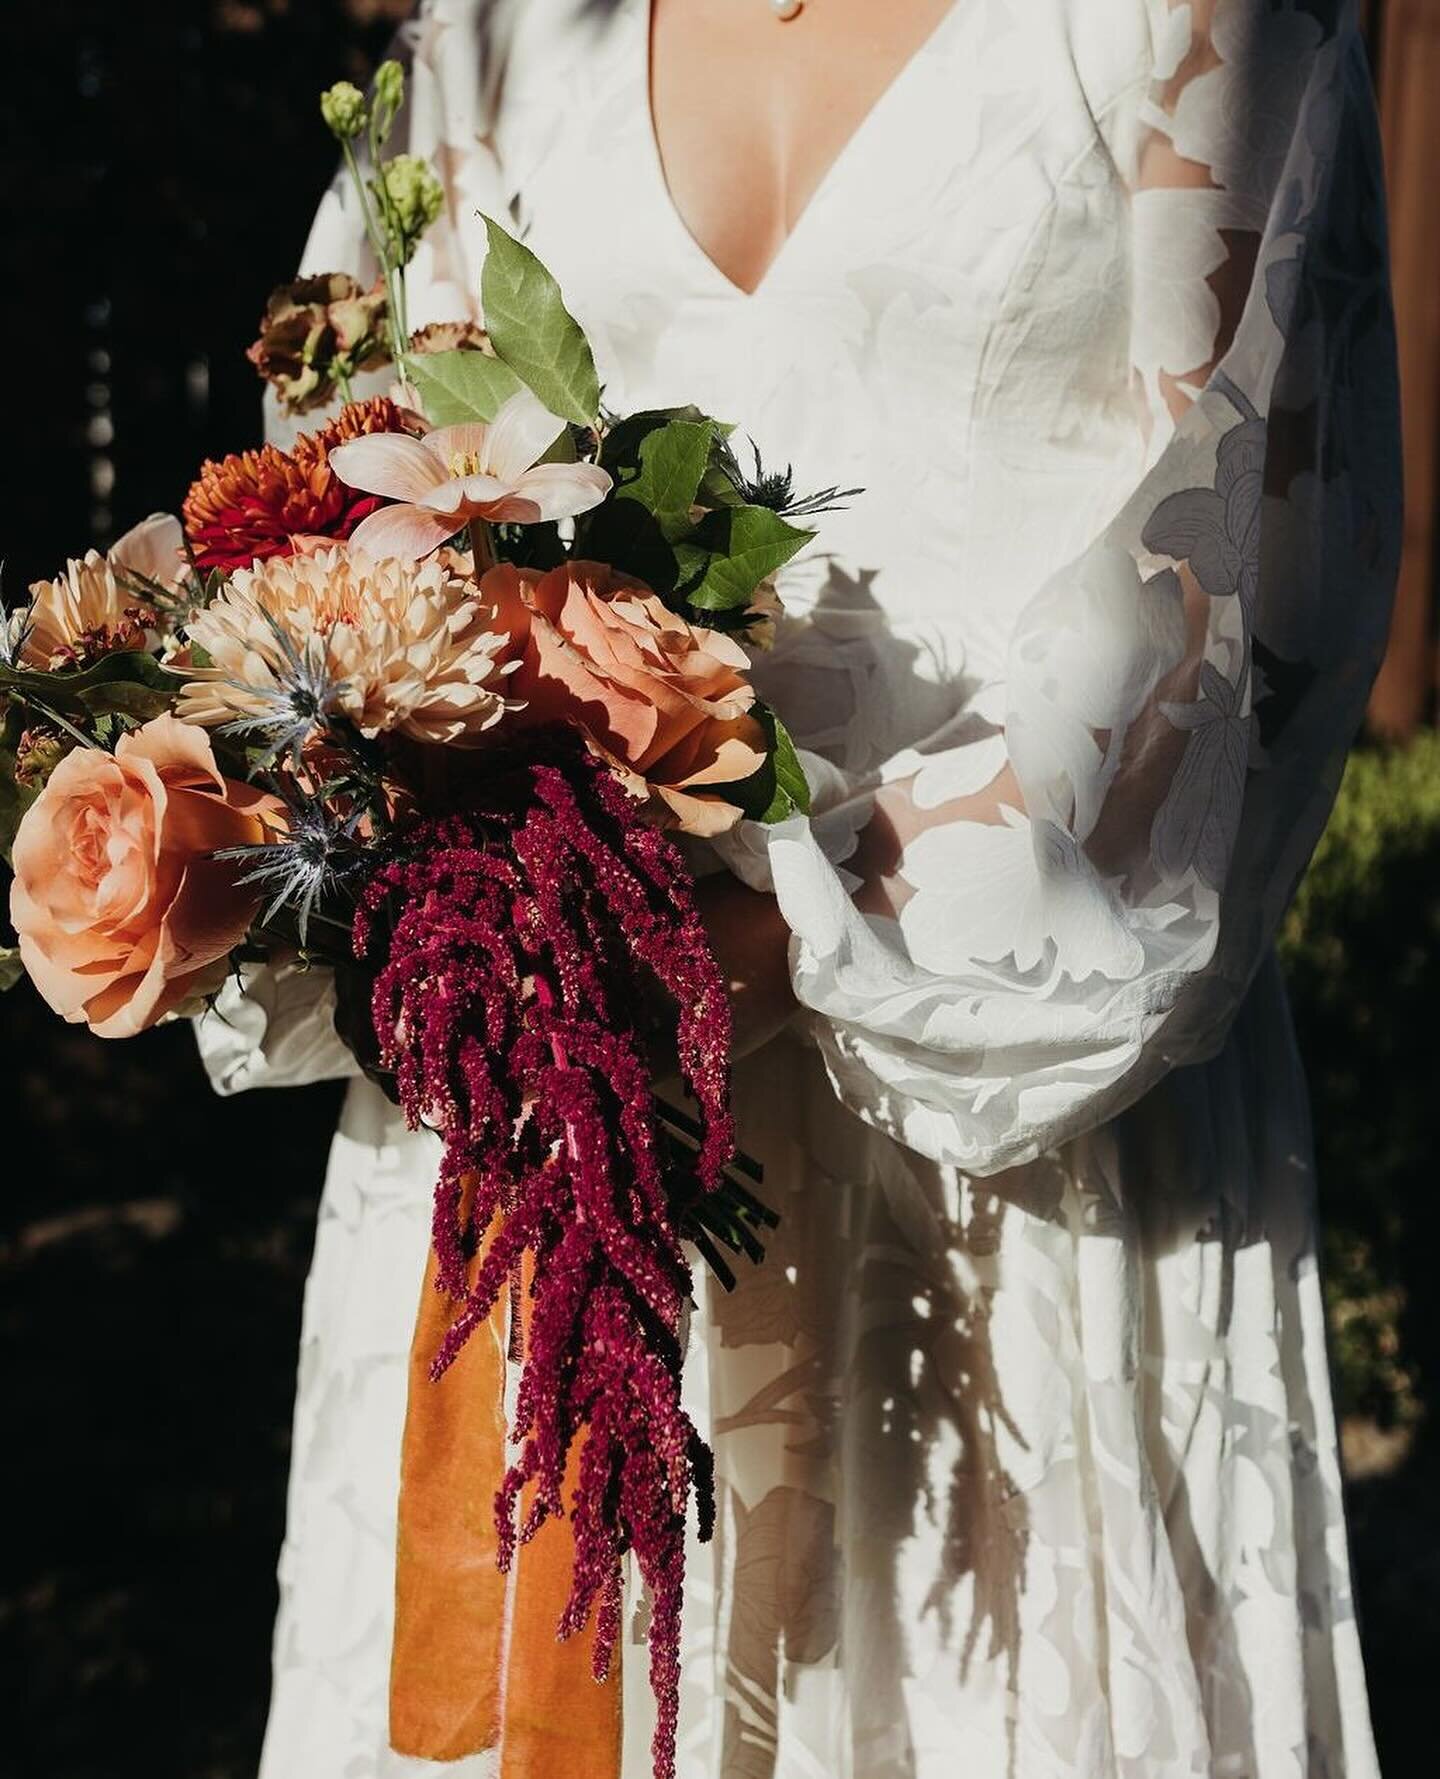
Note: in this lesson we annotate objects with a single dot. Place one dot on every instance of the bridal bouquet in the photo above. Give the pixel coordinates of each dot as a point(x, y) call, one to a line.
point(426, 698)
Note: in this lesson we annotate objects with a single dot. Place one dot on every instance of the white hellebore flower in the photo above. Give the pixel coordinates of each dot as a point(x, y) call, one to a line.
point(477, 470)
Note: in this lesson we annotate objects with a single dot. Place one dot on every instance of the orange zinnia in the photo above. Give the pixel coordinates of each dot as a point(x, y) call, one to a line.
point(258, 503)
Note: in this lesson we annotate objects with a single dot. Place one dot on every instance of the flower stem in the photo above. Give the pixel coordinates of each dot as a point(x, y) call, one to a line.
point(482, 542)
point(393, 275)
point(377, 245)
point(395, 268)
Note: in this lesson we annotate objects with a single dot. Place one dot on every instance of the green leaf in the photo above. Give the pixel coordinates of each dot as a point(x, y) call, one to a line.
point(656, 461)
point(11, 969)
point(779, 788)
point(127, 699)
point(669, 464)
point(532, 330)
point(68, 690)
point(792, 790)
point(718, 490)
point(731, 551)
point(621, 443)
point(14, 801)
point(563, 450)
point(461, 386)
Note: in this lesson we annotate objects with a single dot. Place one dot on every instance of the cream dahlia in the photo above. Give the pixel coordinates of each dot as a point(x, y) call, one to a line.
point(399, 648)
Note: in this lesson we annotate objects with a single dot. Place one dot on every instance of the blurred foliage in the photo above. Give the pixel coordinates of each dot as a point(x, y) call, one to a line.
point(1361, 946)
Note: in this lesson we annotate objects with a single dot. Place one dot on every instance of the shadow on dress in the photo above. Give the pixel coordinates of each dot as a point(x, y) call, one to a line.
point(856, 1412)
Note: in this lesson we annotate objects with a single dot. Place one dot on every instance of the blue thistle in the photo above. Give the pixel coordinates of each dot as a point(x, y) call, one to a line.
point(775, 489)
point(298, 705)
point(318, 857)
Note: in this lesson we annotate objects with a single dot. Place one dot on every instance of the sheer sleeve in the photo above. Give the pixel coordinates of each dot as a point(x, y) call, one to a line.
point(1004, 944)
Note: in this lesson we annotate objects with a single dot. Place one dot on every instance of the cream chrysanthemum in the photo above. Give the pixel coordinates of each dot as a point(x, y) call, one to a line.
point(404, 646)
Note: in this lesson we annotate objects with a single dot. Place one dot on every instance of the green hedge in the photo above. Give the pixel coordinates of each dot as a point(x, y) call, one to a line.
point(1361, 946)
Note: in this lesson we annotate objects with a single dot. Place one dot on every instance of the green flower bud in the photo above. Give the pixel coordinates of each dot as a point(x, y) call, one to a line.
point(344, 109)
point(388, 96)
point(409, 197)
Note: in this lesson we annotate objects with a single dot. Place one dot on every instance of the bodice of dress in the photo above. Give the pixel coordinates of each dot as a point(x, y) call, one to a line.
point(894, 345)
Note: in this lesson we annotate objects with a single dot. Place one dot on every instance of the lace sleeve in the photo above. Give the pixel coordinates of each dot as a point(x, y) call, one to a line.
point(1010, 938)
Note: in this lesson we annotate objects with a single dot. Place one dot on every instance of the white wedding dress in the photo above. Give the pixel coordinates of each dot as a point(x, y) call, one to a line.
point(1026, 1455)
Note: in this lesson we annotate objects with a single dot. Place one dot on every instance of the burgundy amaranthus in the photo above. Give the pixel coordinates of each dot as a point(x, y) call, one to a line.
point(526, 933)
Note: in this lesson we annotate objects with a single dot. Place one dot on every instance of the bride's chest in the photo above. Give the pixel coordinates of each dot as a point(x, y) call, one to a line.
point(978, 186)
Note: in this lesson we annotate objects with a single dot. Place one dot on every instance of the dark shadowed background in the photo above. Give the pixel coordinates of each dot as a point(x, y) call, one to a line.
point(160, 164)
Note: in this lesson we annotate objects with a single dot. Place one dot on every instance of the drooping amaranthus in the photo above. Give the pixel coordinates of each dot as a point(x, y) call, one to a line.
point(523, 936)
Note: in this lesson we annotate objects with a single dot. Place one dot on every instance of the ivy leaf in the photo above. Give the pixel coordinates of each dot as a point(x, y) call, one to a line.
point(718, 489)
point(731, 551)
point(779, 788)
point(532, 330)
point(461, 386)
point(663, 479)
point(11, 968)
point(621, 443)
point(656, 461)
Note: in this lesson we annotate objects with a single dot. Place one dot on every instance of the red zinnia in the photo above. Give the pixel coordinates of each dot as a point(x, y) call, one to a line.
point(256, 503)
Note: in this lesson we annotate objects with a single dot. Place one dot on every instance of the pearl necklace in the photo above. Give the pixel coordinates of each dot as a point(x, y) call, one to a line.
point(785, 10)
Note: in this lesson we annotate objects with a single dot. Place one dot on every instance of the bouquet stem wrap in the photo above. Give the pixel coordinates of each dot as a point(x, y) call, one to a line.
point(475, 1661)
point(526, 934)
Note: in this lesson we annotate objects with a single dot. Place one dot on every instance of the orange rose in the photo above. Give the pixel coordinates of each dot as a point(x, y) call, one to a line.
point(121, 912)
point(665, 702)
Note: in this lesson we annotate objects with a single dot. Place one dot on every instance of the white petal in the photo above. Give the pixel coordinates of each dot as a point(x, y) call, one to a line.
point(521, 432)
point(464, 496)
point(154, 548)
point(470, 438)
point(560, 490)
point(406, 532)
point(388, 463)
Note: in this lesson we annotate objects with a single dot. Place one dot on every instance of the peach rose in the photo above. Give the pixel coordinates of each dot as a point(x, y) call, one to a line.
point(121, 912)
point(663, 701)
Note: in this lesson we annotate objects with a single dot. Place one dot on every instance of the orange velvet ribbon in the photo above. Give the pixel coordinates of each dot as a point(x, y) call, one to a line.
point(475, 1662)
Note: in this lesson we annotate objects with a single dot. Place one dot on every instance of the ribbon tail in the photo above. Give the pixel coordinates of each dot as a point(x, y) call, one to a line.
point(476, 1663)
point(558, 1718)
point(448, 1651)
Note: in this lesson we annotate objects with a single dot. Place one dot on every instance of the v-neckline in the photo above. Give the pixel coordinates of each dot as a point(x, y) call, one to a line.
point(834, 169)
